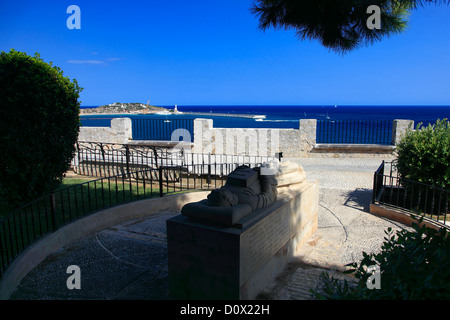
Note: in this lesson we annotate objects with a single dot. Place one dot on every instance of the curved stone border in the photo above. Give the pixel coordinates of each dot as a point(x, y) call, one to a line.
point(37, 252)
point(402, 216)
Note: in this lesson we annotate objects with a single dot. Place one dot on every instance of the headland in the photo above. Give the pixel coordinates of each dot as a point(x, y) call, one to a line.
point(146, 109)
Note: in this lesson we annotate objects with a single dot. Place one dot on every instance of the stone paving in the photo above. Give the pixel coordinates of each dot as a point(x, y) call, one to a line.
point(346, 228)
point(129, 261)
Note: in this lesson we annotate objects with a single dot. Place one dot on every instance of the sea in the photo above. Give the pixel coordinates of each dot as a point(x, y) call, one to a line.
point(282, 116)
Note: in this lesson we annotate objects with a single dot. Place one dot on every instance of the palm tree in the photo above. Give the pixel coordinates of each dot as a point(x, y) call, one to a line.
point(340, 25)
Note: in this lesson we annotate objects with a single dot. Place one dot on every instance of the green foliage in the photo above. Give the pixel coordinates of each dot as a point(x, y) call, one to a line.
point(39, 125)
point(338, 25)
point(423, 154)
point(413, 265)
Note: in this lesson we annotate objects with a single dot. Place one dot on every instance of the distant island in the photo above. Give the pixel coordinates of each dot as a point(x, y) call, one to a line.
point(141, 108)
point(134, 108)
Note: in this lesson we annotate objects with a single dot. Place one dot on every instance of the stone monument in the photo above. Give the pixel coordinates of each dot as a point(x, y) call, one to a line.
point(244, 192)
point(233, 243)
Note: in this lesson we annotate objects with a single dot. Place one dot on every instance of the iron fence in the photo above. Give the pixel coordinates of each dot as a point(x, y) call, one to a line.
point(24, 226)
point(162, 129)
point(423, 199)
point(354, 131)
point(106, 159)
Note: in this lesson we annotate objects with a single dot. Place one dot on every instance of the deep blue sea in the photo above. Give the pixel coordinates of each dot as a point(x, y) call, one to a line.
point(288, 116)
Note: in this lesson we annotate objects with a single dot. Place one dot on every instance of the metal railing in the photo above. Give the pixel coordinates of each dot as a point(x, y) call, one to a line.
point(354, 131)
point(26, 225)
point(161, 129)
point(106, 159)
point(420, 198)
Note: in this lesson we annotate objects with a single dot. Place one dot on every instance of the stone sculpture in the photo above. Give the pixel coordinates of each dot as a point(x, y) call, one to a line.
point(285, 173)
point(218, 248)
point(244, 192)
point(245, 185)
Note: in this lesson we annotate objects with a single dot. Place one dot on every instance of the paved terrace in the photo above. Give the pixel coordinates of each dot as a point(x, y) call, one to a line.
point(129, 261)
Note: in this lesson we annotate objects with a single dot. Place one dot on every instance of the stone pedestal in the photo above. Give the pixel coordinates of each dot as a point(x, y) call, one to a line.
point(210, 261)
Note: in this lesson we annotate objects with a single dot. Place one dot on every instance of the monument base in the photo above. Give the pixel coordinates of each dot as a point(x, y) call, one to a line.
point(209, 261)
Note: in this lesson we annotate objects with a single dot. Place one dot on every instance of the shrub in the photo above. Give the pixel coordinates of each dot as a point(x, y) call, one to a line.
point(423, 154)
point(39, 126)
point(413, 265)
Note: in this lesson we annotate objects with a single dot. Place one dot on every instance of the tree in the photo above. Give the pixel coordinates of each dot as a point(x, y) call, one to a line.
point(39, 125)
point(338, 25)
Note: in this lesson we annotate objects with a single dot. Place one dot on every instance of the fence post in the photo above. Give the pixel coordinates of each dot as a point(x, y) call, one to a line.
point(208, 178)
point(102, 168)
point(375, 184)
point(77, 167)
point(161, 192)
point(155, 152)
point(127, 159)
point(53, 209)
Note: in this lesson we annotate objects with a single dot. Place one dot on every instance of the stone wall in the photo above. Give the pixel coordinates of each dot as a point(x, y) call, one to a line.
point(120, 132)
point(254, 141)
point(292, 143)
point(399, 129)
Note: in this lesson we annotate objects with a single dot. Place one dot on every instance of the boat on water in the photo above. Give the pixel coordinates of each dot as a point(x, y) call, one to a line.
point(164, 113)
point(259, 117)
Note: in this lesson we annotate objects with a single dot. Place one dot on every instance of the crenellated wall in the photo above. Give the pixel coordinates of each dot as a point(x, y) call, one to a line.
point(120, 132)
point(292, 143)
point(254, 141)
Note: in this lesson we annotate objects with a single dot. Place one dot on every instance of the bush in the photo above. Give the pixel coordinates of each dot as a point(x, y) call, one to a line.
point(423, 154)
point(413, 265)
point(39, 125)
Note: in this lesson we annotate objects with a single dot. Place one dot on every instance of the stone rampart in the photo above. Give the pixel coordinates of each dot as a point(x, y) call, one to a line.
point(120, 132)
point(292, 143)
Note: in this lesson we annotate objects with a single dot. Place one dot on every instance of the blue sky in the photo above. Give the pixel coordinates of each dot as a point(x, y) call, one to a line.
point(212, 53)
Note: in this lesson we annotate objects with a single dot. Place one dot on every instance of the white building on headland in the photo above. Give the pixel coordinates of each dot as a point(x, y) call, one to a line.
point(175, 110)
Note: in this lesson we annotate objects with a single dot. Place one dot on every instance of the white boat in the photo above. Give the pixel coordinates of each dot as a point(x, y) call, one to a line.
point(259, 117)
point(165, 112)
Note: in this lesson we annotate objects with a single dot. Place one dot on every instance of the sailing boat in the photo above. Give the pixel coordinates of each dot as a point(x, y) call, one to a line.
point(327, 116)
